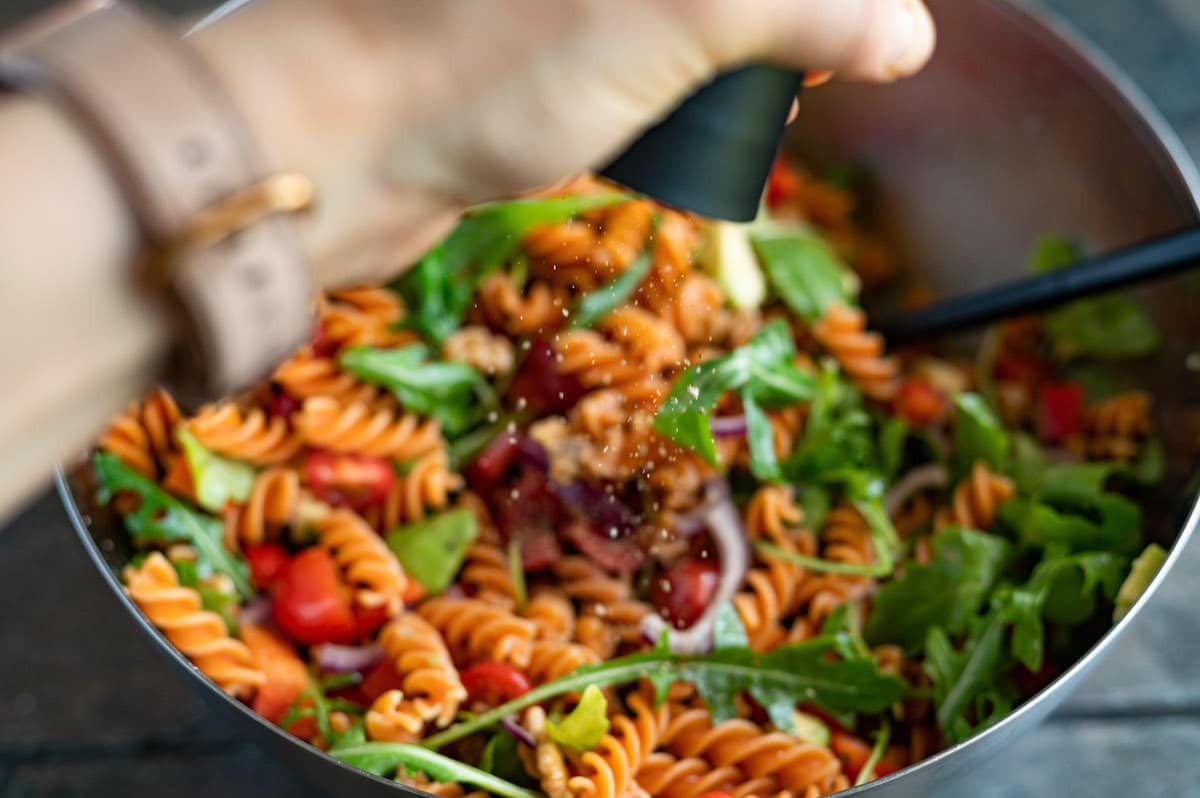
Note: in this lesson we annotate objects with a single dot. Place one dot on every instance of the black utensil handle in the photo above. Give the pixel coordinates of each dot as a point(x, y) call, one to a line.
point(1149, 260)
point(713, 153)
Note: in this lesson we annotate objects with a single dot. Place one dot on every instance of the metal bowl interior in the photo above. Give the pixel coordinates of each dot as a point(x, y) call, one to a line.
point(1016, 130)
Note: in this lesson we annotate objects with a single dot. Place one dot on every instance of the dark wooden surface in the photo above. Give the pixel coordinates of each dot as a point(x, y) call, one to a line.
point(88, 708)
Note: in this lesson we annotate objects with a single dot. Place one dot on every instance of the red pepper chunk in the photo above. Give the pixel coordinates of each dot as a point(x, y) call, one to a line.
point(783, 184)
point(493, 683)
point(286, 675)
point(1059, 411)
point(313, 605)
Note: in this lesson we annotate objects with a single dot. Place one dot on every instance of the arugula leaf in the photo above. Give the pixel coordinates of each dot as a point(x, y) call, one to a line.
point(806, 671)
point(946, 593)
point(817, 564)
point(432, 550)
point(893, 436)
point(585, 726)
point(804, 271)
point(978, 434)
point(1073, 520)
point(161, 518)
point(961, 677)
point(438, 289)
point(762, 369)
point(1141, 574)
point(383, 759)
point(313, 702)
point(839, 437)
point(1107, 326)
point(597, 304)
point(881, 740)
point(218, 480)
point(760, 439)
point(443, 390)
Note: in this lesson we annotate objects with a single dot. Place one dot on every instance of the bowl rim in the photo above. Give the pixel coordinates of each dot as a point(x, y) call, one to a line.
point(1128, 100)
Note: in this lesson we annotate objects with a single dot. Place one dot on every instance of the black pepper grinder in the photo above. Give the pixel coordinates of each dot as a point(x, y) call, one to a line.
point(712, 155)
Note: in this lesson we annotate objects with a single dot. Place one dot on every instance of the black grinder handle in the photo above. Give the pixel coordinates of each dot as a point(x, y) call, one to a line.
point(712, 155)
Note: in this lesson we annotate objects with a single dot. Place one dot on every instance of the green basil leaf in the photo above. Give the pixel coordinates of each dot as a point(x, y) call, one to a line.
point(946, 593)
point(585, 726)
point(978, 434)
point(161, 518)
point(218, 480)
point(432, 550)
point(445, 391)
point(385, 759)
point(804, 271)
point(597, 304)
point(438, 289)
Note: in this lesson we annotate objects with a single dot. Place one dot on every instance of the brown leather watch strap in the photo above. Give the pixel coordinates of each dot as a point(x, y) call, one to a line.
point(179, 148)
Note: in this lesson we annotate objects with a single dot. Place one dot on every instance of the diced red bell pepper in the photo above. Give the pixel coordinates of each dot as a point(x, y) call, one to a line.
point(493, 683)
point(1059, 411)
point(682, 593)
point(383, 677)
point(357, 481)
point(920, 403)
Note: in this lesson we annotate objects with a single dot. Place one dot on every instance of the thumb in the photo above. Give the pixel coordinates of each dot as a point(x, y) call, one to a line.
point(875, 40)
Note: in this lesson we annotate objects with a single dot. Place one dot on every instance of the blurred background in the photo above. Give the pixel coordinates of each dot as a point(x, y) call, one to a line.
point(87, 707)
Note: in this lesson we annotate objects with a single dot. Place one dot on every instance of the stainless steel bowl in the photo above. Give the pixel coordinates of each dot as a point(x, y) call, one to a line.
point(1016, 129)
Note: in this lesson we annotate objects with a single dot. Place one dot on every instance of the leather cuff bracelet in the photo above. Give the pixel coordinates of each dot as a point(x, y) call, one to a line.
point(212, 220)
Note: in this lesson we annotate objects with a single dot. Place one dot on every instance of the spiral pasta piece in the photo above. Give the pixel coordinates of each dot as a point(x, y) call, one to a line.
point(977, 499)
point(366, 562)
point(272, 504)
point(605, 598)
point(505, 308)
point(253, 436)
point(143, 435)
point(772, 513)
point(846, 538)
point(546, 763)
point(426, 486)
point(325, 423)
point(199, 635)
point(666, 776)
point(305, 375)
point(566, 242)
point(842, 331)
point(475, 630)
point(626, 228)
point(430, 691)
point(759, 753)
point(550, 659)
point(552, 613)
point(485, 571)
point(599, 363)
point(609, 770)
point(365, 316)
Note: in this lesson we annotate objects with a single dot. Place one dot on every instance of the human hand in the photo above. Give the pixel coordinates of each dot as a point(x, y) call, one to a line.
point(404, 111)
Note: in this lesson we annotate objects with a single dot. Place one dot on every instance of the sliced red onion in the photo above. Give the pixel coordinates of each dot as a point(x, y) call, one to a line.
point(256, 611)
point(725, 525)
point(921, 478)
point(728, 426)
point(346, 659)
point(510, 725)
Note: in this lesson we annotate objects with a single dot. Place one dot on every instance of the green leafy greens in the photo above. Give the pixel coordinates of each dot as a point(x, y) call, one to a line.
point(803, 270)
point(814, 671)
point(438, 289)
point(763, 373)
point(448, 392)
point(383, 759)
point(431, 551)
point(584, 726)
point(161, 518)
point(597, 304)
point(218, 480)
